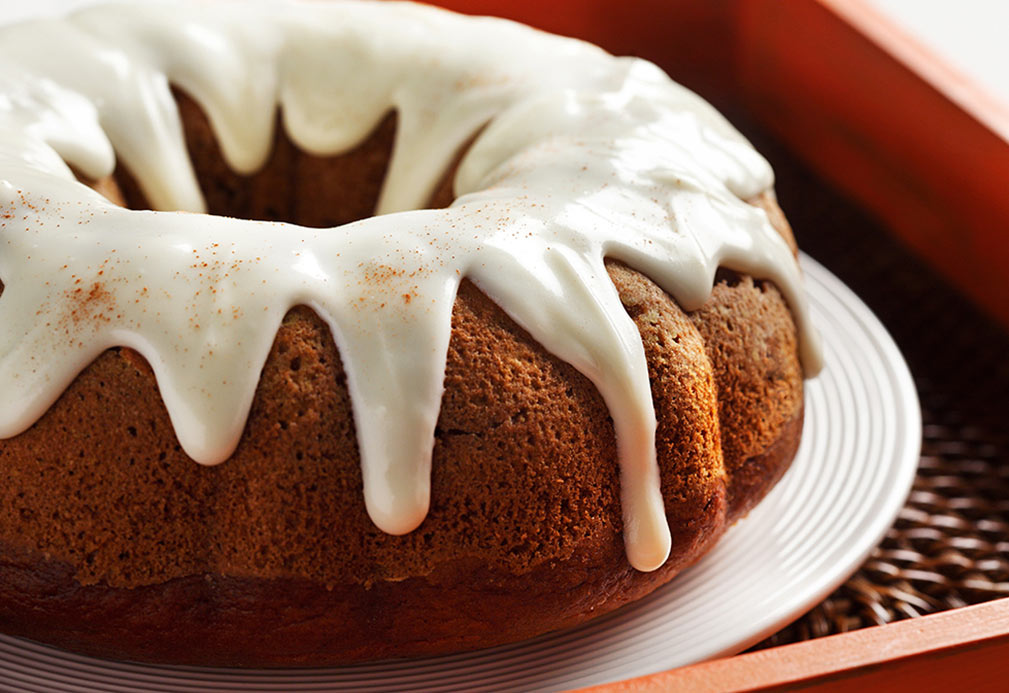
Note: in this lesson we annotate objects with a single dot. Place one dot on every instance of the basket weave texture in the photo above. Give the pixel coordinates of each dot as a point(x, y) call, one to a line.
point(950, 544)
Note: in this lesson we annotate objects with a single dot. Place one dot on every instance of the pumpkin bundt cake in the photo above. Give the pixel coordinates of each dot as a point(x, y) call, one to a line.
point(445, 332)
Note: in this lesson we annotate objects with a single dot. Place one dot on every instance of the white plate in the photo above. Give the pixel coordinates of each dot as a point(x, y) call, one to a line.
point(854, 469)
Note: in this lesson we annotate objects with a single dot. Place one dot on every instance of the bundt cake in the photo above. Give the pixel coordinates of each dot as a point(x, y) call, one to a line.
point(459, 332)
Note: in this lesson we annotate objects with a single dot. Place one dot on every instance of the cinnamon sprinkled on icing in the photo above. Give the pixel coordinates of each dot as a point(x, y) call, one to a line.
point(582, 156)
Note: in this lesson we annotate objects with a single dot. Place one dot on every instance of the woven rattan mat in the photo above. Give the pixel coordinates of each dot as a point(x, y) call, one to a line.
point(950, 544)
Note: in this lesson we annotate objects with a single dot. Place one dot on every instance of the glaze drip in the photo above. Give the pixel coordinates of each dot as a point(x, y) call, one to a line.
point(580, 156)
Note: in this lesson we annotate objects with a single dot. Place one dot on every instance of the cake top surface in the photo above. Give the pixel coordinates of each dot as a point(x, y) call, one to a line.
point(576, 156)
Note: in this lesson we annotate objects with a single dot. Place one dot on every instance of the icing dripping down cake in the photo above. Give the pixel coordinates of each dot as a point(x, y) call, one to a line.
point(446, 332)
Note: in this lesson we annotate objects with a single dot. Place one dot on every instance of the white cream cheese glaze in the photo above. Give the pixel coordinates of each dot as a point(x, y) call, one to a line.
point(582, 156)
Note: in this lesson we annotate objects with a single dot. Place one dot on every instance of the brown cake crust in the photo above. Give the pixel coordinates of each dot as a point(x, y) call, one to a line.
point(113, 542)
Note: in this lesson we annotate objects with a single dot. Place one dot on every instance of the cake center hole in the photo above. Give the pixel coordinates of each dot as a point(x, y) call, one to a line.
point(293, 185)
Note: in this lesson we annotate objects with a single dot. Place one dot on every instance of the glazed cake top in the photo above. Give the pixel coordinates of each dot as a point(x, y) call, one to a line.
point(578, 156)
